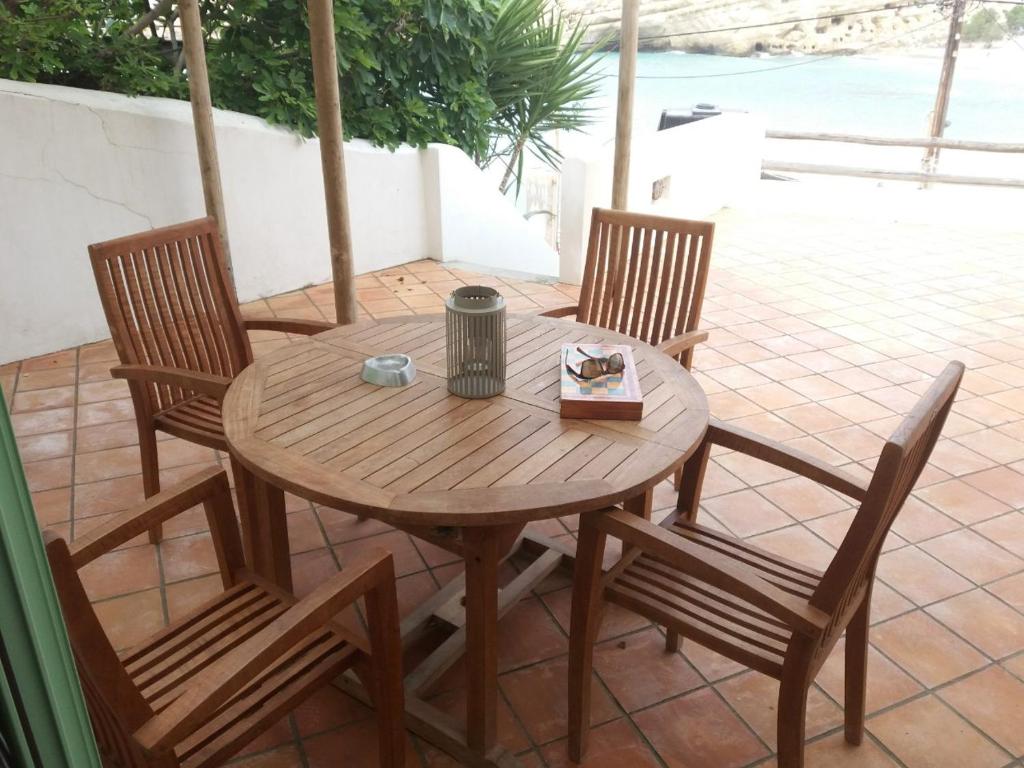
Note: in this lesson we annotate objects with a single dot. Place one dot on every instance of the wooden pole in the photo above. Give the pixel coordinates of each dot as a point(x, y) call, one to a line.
point(332, 155)
point(202, 118)
point(628, 44)
point(956, 23)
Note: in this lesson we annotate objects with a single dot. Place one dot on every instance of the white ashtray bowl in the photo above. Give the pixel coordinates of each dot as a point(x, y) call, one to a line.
point(389, 370)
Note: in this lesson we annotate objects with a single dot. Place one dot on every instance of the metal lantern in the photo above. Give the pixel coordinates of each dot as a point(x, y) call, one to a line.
point(475, 336)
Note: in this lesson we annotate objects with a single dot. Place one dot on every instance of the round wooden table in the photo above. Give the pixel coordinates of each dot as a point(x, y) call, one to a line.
point(467, 475)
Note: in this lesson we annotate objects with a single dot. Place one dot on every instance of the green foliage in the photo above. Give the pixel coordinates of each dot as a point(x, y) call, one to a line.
point(541, 76)
point(489, 76)
point(1015, 19)
point(411, 70)
point(984, 27)
point(80, 43)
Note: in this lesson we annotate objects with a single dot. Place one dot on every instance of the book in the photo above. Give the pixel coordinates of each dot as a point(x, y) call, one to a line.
point(614, 396)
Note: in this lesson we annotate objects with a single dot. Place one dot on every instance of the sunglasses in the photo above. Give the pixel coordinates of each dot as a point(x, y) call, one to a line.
point(596, 367)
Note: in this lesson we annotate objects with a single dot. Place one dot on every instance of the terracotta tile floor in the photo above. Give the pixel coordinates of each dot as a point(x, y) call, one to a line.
point(824, 332)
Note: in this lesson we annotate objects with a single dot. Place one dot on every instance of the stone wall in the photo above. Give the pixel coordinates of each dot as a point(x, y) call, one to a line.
point(661, 21)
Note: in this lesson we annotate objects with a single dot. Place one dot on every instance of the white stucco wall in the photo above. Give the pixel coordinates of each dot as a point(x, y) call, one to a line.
point(709, 164)
point(466, 231)
point(78, 167)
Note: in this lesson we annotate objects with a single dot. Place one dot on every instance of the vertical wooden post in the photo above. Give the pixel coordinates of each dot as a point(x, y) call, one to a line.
point(202, 118)
point(628, 44)
point(332, 154)
point(938, 123)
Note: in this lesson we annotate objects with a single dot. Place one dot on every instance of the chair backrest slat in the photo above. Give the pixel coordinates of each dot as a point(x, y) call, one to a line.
point(903, 459)
point(645, 275)
point(168, 302)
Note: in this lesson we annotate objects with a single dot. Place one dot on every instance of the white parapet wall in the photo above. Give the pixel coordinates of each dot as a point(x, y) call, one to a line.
point(689, 171)
point(78, 167)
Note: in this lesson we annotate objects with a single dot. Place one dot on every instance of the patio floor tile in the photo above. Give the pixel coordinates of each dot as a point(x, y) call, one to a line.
point(747, 513)
point(1006, 531)
point(834, 752)
point(110, 574)
point(973, 556)
point(962, 502)
point(617, 743)
point(755, 698)
point(888, 684)
point(130, 619)
point(991, 699)
point(919, 576)
point(984, 621)
point(699, 729)
point(924, 648)
point(639, 672)
point(803, 499)
point(539, 695)
point(927, 734)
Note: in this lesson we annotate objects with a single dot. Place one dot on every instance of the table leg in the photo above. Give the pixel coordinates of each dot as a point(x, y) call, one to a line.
point(264, 526)
point(641, 505)
point(474, 744)
point(482, 559)
point(275, 561)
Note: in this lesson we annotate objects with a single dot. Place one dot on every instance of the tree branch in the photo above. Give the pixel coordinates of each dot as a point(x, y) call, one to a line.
point(148, 18)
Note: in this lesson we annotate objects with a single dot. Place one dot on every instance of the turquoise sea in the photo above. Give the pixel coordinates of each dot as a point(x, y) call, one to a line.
point(884, 95)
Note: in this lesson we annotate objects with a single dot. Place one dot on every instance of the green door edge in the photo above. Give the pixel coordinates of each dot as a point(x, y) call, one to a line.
point(33, 634)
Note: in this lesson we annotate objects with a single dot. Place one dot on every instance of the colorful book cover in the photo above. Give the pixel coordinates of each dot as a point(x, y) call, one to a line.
point(612, 396)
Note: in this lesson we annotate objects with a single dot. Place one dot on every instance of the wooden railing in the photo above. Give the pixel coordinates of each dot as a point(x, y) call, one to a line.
point(881, 173)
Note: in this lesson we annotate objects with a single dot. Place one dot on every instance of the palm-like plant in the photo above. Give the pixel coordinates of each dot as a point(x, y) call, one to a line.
point(541, 75)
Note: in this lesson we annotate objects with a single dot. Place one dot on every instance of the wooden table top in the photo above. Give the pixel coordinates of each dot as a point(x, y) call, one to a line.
point(302, 419)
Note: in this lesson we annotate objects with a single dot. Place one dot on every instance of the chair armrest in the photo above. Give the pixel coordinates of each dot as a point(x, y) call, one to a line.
point(560, 311)
point(370, 571)
point(782, 456)
point(684, 341)
point(196, 381)
point(210, 486)
point(701, 563)
point(287, 325)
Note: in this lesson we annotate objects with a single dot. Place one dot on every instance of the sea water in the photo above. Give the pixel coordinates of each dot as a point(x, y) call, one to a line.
point(888, 94)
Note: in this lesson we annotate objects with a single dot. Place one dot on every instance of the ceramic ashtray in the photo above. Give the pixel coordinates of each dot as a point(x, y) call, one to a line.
point(389, 370)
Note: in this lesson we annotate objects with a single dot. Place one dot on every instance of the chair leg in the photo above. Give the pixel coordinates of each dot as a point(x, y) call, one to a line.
point(585, 621)
point(150, 473)
point(791, 724)
point(386, 662)
point(857, 671)
point(672, 641)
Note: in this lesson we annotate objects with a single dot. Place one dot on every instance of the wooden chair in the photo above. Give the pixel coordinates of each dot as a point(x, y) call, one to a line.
point(178, 331)
point(776, 616)
point(645, 277)
point(195, 693)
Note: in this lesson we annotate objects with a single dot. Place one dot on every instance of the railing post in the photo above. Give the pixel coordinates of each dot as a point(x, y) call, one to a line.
point(938, 126)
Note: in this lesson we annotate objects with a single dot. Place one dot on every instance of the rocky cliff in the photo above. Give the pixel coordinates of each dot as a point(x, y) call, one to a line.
point(695, 25)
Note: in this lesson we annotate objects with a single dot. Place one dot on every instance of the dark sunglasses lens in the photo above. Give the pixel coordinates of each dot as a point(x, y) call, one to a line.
point(616, 364)
point(590, 369)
